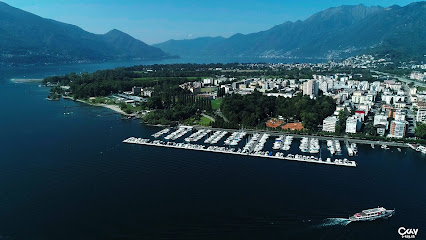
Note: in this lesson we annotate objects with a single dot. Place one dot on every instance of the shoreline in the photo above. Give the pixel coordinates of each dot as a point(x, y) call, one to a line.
point(114, 108)
point(23, 80)
point(117, 109)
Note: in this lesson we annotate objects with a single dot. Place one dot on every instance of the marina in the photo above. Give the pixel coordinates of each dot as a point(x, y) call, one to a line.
point(418, 148)
point(216, 137)
point(256, 144)
point(160, 133)
point(287, 143)
point(235, 138)
point(278, 142)
point(253, 148)
point(197, 135)
point(310, 145)
point(182, 130)
point(352, 149)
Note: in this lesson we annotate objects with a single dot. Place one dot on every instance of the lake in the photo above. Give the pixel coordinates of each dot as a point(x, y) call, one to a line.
point(71, 177)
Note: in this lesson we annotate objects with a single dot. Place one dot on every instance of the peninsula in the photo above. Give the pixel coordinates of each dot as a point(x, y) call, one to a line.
point(347, 98)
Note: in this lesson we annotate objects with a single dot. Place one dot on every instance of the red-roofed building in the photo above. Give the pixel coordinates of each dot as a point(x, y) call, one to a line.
point(360, 114)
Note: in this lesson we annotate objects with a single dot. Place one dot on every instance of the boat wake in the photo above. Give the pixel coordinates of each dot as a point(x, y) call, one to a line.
point(329, 222)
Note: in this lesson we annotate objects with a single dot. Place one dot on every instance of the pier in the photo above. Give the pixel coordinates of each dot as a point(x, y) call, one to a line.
point(182, 130)
point(216, 149)
point(160, 133)
point(197, 135)
point(215, 138)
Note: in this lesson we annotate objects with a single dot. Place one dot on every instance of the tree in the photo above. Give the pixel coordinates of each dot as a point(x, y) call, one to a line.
point(341, 125)
point(369, 129)
point(421, 130)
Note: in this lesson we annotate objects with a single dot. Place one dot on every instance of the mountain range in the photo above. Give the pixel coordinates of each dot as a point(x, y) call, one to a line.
point(336, 32)
point(27, 38)
point(333, 33)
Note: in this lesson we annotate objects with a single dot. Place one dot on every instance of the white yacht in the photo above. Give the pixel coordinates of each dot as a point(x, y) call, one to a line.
point(278, 142)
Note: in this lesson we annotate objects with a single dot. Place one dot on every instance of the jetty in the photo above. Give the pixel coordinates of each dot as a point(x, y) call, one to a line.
point(160, 133)
point(182, 130)
point(226, 150)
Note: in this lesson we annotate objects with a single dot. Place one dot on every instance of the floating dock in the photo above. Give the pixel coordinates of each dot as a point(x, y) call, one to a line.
point(182, 130)
point(197, 135)
point(216, 149)
point(215, 138)
point(160, 133)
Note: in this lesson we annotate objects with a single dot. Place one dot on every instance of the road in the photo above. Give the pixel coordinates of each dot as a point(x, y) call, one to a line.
point(402, 79)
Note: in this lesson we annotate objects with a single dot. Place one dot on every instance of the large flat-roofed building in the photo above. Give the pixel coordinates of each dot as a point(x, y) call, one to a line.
point(310, 88)
point(353, 124)
point(329, 124)
point(399, 115)
point(421, 115)
point(381, 120)
point(398, 129)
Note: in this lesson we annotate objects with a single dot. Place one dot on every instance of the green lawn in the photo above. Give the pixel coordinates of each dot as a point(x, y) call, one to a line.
point(216, 103)
point(204, 121)
point(103, 100)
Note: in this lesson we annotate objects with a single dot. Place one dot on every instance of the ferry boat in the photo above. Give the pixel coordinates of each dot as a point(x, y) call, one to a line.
point(372, 214)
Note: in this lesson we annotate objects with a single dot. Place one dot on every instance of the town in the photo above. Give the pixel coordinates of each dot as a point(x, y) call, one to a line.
point(368, 102)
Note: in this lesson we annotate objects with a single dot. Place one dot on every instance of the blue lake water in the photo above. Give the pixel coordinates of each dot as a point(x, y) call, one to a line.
point(70, 177)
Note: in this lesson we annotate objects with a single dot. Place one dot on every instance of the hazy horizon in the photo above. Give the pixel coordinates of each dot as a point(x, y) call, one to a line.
point(163, 20)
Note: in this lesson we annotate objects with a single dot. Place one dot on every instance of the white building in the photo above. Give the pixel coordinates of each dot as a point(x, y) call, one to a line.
point(353, 124)
point(418, 76)
point(329, 124)
point(388, 98)
point(413, 91)
point(358, 97)
point(310, 88)
point(399, 116)
point(381, 120)
point(421, 115)
point(208, 81)
point(398, 129)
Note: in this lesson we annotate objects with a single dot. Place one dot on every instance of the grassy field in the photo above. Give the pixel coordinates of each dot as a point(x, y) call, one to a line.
point(216, 103)
point(204, 121)
point(103, 100)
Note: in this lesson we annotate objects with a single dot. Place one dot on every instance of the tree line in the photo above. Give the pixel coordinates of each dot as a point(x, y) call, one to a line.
point(254, 109)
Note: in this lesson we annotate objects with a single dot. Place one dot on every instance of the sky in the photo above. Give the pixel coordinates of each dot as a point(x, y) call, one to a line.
point(160, 20)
